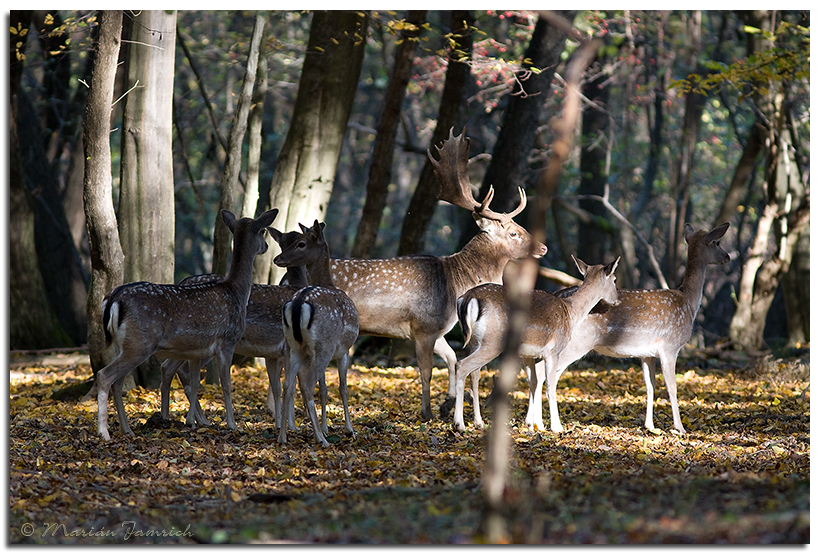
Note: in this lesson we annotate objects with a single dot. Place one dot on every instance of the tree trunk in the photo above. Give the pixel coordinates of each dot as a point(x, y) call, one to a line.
point(31, 321)
point(508, 167)
point(103, 236)
point(450, 115)
point(382, 159)
point(306, 167)
point(594, 242)
point(257, 112)
point(233, 162)
point(146, 206)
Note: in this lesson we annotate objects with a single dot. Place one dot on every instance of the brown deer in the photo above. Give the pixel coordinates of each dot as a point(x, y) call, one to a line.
point(649, 324)
point(414, 297)
point(187, 322)
point(321, 324)
point(482, 313)
point(263, 336)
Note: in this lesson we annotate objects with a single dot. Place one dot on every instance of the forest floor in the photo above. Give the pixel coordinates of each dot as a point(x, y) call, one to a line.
point(739, 475)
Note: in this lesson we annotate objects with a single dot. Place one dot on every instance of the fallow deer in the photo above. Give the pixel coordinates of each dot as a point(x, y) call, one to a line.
point(186, 322)
point(414, 297)
point(321, 324)
point(552, 321)
point(649, 324)
point(263, 336)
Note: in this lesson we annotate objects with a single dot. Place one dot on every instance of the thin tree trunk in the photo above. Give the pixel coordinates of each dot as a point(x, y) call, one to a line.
point(257, 112)
point(450, 115)
point(519, 281)
point(306, 167)
point(233, 162)
point(103, 236)
point(382, 159)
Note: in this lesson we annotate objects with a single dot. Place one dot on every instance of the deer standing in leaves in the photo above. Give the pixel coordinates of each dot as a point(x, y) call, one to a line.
point(263, 336)
point(414, 297)
point(649, 324)
point(552, 321)
point(321, 324)
point(185, 322)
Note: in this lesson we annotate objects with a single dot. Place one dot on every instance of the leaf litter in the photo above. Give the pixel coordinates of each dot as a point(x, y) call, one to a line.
point(739, 475)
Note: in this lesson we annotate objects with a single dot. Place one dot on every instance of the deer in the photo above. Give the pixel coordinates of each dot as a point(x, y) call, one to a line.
point(414, 297)
point(186, 322)
point(263, 336)
point(552, 321)
point(650, 324)
point(320, 323)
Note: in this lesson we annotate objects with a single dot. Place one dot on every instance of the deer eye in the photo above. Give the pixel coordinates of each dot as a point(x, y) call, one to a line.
point(513, 234)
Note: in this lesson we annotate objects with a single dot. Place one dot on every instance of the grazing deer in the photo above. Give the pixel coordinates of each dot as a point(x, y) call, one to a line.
point(320, 324)
point(263, 336)
point(482, 313)
point(187, 322)
point(649, 324)
point(414, 297)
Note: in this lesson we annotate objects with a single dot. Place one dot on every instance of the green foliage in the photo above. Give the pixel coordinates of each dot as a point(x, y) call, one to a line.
point(787, 59)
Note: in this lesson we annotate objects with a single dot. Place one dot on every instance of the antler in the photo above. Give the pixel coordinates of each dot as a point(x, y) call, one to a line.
point(454, 181)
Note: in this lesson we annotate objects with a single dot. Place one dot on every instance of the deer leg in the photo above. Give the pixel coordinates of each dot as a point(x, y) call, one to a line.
point(648, 368)
point(193, 386)
point(108, 376)
point(424, 354)
point(668, 362)
point(193, 370)
point(344, 364)
point(536, 374)
point(273, 366)
point(224, 362)
point(466, 366)
point(477, 421)
point(309, 383)
point(322, 382)
point(169, 369)
point(117, 388)
point(288, 393)
point(443, 349)
point(552, 392)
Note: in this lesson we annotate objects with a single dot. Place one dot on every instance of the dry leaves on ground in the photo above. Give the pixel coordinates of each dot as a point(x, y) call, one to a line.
point(740, 475)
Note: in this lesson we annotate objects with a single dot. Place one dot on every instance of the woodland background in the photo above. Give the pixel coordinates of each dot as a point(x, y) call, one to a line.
point(687, 116)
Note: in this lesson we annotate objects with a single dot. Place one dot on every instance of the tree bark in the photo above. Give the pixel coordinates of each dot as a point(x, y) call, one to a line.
point(382, 159)
point(508, 167)
point(257, 112)
point(32, 322)
point(233, 162)
point(450, 115)
point(103, 235)
point(306, 166)
point(594, 242)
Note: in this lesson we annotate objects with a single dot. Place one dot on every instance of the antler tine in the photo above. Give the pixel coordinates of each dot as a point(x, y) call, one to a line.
point(522, 203)
point(451, 171)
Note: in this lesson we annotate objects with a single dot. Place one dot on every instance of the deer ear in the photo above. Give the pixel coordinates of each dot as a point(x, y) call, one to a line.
point(276, 234)
point(229, 219)
point(582, 267)
point(610, 269)
point(688, 231)
point(304, 229)
point(718, 232)
point(266, 219)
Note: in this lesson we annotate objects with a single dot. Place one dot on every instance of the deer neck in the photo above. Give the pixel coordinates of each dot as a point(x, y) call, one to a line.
point(480, 261)
point(240, 273)
point(694, 278)
point(580, 303)
point(318, 271)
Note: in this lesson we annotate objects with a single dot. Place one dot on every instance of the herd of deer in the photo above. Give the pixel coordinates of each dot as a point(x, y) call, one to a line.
point(322, 305)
